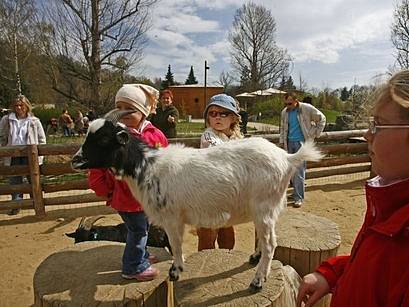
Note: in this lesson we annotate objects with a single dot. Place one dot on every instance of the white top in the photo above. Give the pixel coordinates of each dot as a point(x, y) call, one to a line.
point(20, 128)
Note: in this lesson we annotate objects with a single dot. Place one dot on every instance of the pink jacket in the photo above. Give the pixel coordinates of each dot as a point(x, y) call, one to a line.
point(117, 192)
point(377, 271)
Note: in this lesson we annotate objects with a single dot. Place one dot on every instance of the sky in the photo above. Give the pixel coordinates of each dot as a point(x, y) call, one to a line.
point(333, 43)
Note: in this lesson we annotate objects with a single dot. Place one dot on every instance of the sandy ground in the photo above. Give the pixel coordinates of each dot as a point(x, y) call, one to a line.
point(26, 241)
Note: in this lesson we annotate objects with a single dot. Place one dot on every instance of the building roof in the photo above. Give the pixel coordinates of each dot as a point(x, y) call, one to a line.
point(195, 85)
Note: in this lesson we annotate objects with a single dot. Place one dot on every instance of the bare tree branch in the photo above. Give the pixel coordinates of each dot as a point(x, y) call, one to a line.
point(255, 55)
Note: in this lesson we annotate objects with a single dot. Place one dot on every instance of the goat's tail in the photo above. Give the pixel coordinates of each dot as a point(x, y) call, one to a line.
point(307, 152)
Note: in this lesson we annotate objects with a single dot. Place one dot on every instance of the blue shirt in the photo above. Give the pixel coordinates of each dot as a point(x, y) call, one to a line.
point(294, 129)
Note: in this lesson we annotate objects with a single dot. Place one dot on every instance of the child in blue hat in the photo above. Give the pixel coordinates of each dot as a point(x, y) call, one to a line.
point(222, 121)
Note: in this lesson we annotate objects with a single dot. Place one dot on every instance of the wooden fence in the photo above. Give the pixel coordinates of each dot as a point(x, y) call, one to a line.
point(352, 157)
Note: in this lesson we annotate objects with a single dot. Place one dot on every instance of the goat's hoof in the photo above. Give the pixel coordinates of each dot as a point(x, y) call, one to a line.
point(173, 277)
point(254, 259)
point(256, 285)
point(173, 273)
point(255, 288)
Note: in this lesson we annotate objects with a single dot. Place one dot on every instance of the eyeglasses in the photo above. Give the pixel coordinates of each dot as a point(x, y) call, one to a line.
point(373, 126)
point(220, 114)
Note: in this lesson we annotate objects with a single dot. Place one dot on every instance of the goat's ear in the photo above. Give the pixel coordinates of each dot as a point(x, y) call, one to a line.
point(71, 234)
point(122, 137)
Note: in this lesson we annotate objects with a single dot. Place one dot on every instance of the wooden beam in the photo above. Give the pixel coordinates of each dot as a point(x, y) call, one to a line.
point(37, 192)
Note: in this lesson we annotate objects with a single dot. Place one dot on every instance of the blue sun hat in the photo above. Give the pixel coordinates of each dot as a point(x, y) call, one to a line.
point(225, 101)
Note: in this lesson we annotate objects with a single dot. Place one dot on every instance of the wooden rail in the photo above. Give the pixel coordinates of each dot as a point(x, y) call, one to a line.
point(343, 157)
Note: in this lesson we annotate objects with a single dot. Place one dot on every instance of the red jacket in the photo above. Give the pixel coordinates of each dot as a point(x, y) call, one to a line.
point(377, 271)
point(104, 184)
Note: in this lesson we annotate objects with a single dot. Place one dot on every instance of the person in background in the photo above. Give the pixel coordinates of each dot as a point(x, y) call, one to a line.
point(20, 127)
point(376, 273)
point(166, 115)
point(222, 120)
point(244, 118)
point(136, 261)
point(307, 99)
point(299, 122)
point(79, 123)
point(66, 123)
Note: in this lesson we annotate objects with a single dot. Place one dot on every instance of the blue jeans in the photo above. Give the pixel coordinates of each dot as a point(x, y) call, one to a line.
point(135, 257)
point(299, 175)
point(18, 179)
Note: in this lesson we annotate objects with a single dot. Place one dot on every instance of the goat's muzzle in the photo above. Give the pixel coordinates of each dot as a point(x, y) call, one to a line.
point(78, 162)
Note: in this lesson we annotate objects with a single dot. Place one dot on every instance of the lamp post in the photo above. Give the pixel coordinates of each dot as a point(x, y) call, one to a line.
point(205, 83)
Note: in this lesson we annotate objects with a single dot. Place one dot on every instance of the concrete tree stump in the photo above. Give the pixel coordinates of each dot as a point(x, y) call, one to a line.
point(89, 274)
point(220, 277)
point(305, 240)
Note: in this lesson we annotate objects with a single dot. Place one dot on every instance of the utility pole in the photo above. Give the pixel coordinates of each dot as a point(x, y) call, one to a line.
point(205, 83)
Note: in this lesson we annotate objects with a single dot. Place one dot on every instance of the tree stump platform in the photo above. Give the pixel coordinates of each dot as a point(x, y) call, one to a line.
point(89, 274)
point(305, 240)
point(220, 277)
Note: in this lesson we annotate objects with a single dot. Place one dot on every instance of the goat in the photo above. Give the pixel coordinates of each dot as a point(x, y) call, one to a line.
point(87, 231)
point(236, 182)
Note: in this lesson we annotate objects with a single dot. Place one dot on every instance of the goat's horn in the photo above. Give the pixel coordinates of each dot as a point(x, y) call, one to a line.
point(115, 115)
point(91, 221)
point(81, 222)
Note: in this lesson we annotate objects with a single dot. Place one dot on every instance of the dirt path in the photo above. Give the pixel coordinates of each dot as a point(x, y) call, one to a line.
point(26, 241)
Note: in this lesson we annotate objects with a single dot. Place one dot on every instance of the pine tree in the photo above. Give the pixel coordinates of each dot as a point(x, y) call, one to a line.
point(191, 79)
point(289, 85)
point(344, 94)
point(169, 80)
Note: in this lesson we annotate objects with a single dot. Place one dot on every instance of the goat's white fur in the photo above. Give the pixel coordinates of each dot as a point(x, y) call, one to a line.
point(233, 183)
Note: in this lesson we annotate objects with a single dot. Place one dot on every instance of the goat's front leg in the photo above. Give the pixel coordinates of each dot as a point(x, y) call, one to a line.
point(175, 234)
point(267, 243)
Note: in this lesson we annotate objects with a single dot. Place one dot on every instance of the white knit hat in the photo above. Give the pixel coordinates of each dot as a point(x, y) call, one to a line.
point(140, 96)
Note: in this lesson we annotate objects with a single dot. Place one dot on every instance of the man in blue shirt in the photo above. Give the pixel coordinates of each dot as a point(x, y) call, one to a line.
point(299, 122)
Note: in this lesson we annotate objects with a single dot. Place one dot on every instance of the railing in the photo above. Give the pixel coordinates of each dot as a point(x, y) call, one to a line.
point(337, 146)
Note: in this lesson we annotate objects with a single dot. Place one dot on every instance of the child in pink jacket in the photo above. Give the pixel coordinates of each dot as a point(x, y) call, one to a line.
point(136, 261)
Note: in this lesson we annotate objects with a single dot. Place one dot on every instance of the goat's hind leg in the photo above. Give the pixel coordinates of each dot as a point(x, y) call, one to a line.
point(267, 243)
point(175, 234)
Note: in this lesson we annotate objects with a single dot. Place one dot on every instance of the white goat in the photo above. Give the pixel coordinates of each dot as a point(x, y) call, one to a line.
point(233, 183)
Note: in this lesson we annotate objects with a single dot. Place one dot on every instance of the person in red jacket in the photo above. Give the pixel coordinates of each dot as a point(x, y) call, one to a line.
point(376, 273)
point(136, 261)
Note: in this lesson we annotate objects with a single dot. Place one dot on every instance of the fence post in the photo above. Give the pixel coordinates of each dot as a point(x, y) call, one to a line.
point(37, 192)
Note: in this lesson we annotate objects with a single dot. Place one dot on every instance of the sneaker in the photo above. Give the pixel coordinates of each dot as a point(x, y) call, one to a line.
point(298, 203)
point(149, 274)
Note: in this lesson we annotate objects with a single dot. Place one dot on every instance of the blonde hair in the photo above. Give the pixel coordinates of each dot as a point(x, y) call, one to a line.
point(234, 127)
point(22, 99)
point(396, 90)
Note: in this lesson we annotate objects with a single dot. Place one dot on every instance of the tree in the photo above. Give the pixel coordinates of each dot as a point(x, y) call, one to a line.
point(344, 94)
point(255, 55)
point(90, 35)
point(225, 80)
point(287, 84)
point(169, 80)
point(400, 34)
point(191, 79)
point(17, 20)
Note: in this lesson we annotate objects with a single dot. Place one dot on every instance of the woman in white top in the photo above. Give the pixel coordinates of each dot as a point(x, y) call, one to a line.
point(20, 127)
point(222, 119)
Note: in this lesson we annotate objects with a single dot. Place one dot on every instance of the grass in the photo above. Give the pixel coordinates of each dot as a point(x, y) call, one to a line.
point(331, 115)
point(185, 129)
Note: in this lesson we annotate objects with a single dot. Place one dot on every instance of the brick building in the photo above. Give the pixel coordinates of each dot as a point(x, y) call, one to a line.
point(189, 99)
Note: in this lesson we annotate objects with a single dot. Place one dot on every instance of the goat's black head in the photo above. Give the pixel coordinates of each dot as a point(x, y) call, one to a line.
point(106, 146)
point(84, 231)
